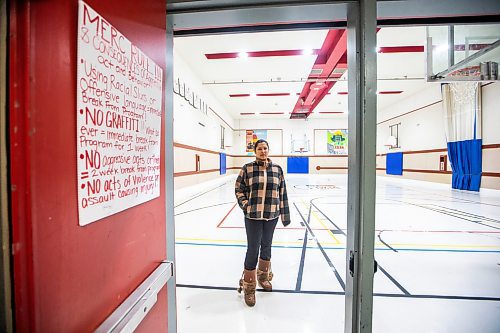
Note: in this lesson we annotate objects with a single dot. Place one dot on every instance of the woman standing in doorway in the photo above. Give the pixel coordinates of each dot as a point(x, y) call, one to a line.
point(261, 192)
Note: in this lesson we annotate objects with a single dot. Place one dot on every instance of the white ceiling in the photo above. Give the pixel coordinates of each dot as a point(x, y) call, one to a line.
point(286, 74)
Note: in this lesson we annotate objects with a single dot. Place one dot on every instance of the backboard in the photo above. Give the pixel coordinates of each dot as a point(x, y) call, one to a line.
point(463, 53)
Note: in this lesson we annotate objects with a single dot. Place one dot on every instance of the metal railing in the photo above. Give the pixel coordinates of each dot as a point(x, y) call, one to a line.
point(134, 309)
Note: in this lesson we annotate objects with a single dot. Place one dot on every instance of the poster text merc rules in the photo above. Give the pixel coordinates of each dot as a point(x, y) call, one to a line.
point(119, 98)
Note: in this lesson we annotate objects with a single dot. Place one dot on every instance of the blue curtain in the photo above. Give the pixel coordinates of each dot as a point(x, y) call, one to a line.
point(462, 111)
point(466, 162)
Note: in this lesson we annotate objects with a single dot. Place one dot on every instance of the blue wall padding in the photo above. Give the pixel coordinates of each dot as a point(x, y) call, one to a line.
point(394, 164)
point(222, 163)
point(297, 164)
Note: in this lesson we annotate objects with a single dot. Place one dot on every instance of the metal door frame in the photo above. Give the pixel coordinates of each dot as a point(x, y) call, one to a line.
point(6, 311)
point(360, 17)
point(361, 25)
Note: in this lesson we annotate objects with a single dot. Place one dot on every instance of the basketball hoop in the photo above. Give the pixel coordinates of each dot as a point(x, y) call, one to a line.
point(391, 141)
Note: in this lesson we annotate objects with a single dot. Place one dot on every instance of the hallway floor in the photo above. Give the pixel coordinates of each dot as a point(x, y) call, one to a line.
point(438, 252)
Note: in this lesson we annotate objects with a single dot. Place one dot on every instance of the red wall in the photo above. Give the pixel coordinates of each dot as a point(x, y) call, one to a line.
point(69, 278)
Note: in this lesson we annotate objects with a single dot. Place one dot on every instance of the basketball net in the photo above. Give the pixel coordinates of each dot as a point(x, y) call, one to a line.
point(463, 93)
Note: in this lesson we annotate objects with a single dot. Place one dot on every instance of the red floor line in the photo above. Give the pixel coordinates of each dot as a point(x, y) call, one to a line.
point(218, 225)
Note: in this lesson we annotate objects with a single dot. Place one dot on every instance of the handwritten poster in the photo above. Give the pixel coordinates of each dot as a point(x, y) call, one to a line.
point(119, 99)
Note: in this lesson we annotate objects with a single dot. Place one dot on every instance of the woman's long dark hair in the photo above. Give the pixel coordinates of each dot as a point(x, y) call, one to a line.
point(257, 143)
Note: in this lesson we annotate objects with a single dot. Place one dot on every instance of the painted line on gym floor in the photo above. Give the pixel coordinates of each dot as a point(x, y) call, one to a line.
point(382, 241)
point(389, 276)
point(337, 275)
point(445, 212)
point(301, 265)
point(225, 217)
point(468, 214)
point(341, 293)
point(326, 216)
point(199, 195)
point(395, 246)
point(238, 241)
point(393, 280)
point(324, 226)
point(192, 210)
point(343, 248)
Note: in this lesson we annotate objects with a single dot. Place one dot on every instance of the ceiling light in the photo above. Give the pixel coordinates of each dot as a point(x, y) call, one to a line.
point(442, 48)
point(317, 85)
point(307, 52)
point(243, 55)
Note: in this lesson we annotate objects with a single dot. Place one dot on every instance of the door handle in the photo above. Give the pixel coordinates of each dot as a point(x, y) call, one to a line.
point(351, 264)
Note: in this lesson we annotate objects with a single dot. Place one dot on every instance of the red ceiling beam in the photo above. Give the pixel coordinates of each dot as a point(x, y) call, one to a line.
point(331, 57)
point(288, 53)
point(260, 95)
point(400, 49)
point(273, 94)
point(239, 95)
point(275, 53)
point(387, 92)
point(393, 92)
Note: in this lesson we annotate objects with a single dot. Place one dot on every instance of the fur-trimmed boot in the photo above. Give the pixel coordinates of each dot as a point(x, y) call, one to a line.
point(265, 274)
point(248, 284)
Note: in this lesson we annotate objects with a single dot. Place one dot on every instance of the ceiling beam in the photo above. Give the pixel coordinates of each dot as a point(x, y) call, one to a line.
point(333, 50)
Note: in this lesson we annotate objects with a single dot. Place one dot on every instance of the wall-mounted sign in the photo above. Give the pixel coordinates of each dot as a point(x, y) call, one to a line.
point(119, 99)
point(336, 142)
point(252, 136)
point(184, 91)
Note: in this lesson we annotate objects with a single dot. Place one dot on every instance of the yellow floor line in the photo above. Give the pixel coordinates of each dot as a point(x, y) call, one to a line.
point(321, 222)
point(441, 245)
point(209, 240)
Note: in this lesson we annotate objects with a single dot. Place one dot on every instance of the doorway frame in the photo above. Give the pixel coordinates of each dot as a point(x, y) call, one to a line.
point(6, 308)
point(361, 18)
point(361, 30)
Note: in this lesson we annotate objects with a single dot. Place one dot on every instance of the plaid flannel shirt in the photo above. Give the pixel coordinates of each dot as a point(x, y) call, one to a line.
point(261, 191)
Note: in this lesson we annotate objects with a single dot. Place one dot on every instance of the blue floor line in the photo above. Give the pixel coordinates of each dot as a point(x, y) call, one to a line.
point(343, 248)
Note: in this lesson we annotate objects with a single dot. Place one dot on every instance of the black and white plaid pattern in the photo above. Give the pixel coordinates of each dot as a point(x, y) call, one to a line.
point(261, 191)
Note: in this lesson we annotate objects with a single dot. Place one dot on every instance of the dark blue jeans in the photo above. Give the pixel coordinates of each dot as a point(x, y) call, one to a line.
point(259, 236)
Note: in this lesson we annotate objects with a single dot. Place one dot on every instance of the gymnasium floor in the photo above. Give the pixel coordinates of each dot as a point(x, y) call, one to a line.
point(438, 251)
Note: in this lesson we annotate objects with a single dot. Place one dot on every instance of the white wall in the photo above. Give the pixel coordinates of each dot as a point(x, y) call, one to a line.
point(424, 128)
point(197, 130)
point(292, 128)
point(274, 138)
point(491, 114)
point(421, 130)
point(187, 119)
